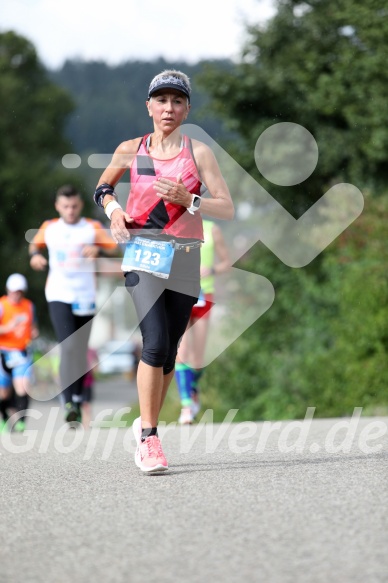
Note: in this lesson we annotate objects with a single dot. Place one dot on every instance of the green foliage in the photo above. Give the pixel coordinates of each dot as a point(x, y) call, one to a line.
point(111, 101)
point(358, 273)
point(322, 65)
point(324, 341)
point(31, 147)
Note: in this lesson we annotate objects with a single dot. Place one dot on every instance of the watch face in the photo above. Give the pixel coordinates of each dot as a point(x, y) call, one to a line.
point(197, 201)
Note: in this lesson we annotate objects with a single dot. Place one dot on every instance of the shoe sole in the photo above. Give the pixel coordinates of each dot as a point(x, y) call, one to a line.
point(155, 469)
point(137, 457)
point(136, 429)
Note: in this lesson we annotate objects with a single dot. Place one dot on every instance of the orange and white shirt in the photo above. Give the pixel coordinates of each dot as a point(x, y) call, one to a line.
point(23, 312)
point(72, 277)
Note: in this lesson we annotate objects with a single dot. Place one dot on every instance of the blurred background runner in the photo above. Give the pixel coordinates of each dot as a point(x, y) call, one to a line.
point(189, 364)
point(73, 243)
point(18, 327)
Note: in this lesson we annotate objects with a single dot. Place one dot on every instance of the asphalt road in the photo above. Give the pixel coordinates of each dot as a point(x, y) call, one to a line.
point(110, 396)
point(258, 502)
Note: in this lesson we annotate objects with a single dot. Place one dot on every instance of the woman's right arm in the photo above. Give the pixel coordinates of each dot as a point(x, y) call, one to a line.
point(121, 161)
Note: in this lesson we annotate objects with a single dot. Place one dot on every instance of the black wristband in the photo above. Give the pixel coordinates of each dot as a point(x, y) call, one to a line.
point(35, 253)
point(101, 191)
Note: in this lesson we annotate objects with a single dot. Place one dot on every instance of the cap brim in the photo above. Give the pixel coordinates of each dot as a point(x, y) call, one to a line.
point(163, 86)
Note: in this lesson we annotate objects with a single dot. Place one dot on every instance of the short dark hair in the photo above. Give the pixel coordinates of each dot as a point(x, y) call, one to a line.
point(67, 190)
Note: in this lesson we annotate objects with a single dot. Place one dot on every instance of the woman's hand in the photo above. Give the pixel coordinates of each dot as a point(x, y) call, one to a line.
point(118, 226)
point(175, 192)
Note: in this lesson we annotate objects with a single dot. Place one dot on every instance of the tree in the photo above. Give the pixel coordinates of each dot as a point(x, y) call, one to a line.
point(31, 148)
point(323, 342)
point(110, 101)
point(322, 65)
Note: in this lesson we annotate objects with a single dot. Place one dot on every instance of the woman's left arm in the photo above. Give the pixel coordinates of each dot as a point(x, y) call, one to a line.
point(220, 205)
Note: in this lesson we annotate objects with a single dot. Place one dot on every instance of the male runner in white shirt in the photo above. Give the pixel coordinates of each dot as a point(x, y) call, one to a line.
point(73, 243)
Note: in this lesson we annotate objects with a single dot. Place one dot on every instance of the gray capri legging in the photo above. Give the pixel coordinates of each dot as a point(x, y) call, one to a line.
point(164, 306)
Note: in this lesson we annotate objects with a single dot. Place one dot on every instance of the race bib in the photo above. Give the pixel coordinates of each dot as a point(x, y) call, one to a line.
point(83, 308)
point(154, 257)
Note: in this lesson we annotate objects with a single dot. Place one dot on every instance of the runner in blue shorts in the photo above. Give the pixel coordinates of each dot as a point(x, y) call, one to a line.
point(17, 328)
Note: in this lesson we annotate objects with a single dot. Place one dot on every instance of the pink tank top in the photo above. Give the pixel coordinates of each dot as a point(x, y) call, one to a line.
point(151, 212)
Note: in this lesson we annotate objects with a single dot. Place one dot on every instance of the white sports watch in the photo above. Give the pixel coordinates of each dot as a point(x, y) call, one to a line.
point(195, 204)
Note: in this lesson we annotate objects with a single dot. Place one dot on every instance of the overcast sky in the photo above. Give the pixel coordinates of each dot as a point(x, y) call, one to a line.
point(121, 30)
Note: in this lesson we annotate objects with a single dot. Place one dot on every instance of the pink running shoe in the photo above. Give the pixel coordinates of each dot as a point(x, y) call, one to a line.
point(136, 428)
point(151, 456)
